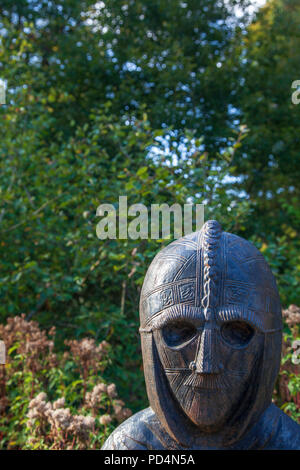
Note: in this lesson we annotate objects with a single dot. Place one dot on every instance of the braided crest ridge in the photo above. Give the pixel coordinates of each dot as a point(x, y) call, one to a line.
point(211, 234)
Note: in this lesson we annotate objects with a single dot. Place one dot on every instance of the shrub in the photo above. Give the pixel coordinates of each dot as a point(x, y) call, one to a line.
point(52, 400)
point(287, 390)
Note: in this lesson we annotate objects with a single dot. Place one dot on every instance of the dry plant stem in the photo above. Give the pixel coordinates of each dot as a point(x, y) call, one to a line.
point(51, 425)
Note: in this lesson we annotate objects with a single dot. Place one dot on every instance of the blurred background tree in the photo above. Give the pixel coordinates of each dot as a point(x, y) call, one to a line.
point(268, 163)
point(167, 101)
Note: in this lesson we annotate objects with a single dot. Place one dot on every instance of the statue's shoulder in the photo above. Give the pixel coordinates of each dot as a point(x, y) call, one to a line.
point(285, 434)
point(136, 433)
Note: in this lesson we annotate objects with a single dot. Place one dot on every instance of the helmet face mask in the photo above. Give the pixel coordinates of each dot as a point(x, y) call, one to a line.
point(208, 365)
point(211, 334)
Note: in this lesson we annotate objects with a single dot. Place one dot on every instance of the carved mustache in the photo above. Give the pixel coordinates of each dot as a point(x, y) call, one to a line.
point(204, 381)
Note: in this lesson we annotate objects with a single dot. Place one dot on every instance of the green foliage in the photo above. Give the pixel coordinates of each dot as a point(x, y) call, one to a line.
point(268, 164)
point(100, 103)
point(163, 102)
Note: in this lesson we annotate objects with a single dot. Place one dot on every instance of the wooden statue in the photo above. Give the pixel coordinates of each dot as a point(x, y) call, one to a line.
point(211, 332)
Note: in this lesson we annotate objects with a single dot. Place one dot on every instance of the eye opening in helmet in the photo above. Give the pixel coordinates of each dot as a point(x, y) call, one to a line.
point(178, 333)
point(237, 333)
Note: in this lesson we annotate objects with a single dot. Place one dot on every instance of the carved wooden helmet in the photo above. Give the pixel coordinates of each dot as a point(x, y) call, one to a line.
point(216, 279)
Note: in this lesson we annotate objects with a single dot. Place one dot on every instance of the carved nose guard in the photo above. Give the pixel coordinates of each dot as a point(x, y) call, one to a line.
point(207, 360)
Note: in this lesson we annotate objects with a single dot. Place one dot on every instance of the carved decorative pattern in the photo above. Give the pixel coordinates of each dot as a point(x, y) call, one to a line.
point(167, 297)
point(186, 292)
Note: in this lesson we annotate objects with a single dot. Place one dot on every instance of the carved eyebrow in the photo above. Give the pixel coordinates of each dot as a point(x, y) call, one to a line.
point(239, 313)
point(162, 318)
